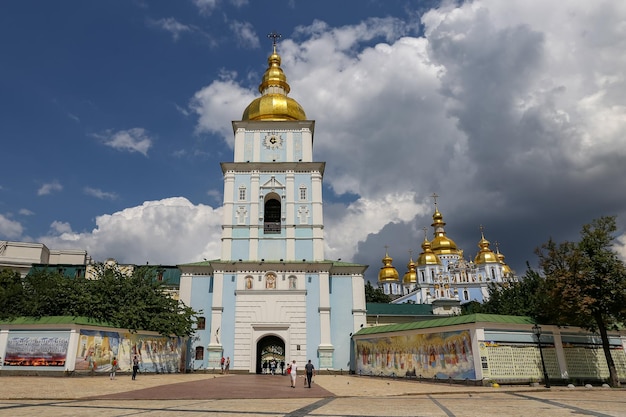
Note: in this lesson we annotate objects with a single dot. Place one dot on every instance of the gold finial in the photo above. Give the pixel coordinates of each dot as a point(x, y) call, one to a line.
point(274, 36)
point(425, 229)
point(482, 229)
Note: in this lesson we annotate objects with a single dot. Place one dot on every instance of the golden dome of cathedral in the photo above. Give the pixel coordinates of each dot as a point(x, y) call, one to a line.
point(485, 254)
point(441, 244)
point(427, 257)
point(274, 103)
point(387, 273)
point(411, 275)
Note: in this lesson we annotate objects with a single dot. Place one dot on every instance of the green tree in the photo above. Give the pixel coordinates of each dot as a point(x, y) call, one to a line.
point(526, 297)
point(11, 294)
point(375, 295)
point(586, 282)
point(136, 300)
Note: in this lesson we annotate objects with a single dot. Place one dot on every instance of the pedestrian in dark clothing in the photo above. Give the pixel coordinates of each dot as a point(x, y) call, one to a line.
point(310, 371)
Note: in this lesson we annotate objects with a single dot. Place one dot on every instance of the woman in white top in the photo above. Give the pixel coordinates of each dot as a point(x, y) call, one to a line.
point(292, 374)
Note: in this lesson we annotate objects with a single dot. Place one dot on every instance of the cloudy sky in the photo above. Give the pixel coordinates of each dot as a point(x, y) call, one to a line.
point(114, 117)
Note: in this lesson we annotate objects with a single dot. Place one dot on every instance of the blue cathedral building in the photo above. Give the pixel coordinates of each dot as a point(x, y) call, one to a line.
point(272, 295)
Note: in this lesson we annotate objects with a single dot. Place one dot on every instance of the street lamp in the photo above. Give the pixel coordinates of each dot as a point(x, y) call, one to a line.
point(537, 332)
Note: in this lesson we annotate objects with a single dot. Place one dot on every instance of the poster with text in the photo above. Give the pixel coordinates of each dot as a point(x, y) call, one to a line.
point(35, 349)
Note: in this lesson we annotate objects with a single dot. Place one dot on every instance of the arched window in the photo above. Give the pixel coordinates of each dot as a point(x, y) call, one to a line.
point(271, 219)
point(466, 295)
point(199, 353)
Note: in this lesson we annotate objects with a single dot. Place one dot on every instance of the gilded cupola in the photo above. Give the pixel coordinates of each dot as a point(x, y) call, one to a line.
point(274, 103)
point(441, 244)
point(411, 275)
point(387, 273)
point(427, 257)
point(506, 269)
point(484, 254)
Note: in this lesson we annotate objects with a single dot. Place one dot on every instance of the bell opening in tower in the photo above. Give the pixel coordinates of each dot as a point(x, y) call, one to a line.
point(271, 220)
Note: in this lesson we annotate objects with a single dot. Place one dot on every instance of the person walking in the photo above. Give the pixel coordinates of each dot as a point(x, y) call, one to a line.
point(227, 365)
point(113, 368)
point(293, 374)
point(135, 366)
point(222, 361)
point(310, 371)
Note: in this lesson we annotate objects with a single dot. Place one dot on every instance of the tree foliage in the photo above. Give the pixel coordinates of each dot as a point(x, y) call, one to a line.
point(375, 295)
point(526, 297)
point(11, 294)
point(136, 301)
point(586, 282)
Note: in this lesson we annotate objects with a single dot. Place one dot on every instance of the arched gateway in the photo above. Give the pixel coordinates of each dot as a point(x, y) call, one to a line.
point(269, 348)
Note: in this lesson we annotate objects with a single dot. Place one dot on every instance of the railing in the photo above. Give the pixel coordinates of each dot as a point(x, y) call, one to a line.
point(271, 227)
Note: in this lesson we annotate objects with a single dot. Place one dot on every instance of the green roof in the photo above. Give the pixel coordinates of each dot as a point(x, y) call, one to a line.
point(446, 321)
point(386, 309)
point(57, 320)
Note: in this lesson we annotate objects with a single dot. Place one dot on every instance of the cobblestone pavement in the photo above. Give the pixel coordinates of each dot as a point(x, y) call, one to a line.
point(264, 395)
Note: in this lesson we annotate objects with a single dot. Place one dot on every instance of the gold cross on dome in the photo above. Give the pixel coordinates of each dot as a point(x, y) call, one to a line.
point(435, 197)
point(274, 36)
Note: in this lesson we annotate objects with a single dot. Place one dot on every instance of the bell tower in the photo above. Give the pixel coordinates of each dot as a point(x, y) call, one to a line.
point(273, 189)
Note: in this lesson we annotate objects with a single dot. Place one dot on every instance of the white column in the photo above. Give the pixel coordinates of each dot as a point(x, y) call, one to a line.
point(227, 219)
point(317, 216)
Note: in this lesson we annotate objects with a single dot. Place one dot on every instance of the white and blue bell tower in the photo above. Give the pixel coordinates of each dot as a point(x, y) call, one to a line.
point(272, 294)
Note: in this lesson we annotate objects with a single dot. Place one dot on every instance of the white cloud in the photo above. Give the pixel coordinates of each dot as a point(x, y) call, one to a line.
point(26, 212)
point(206, 7)
point(346, 227)
point(168, 231)
point(132, 140)
point(10, 229)
point(49, 188)
point(102, 195)
point(172, 26)
point(245, 34)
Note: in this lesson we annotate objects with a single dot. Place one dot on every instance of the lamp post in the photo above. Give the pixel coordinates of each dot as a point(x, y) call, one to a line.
point(537, 332)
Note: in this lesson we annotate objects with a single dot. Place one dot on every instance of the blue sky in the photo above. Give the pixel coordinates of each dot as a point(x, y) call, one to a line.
point(114, 117)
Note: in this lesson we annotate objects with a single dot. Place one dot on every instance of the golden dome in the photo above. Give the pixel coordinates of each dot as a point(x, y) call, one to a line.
point(506, 269)
point(441, 244)
point(274, 103)
point(485, 254)
point(387, 273)
point(411, 276)
point(427, 257)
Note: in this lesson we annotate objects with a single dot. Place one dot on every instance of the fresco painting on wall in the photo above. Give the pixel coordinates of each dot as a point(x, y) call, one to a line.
point(441, 355)
point(158, 354)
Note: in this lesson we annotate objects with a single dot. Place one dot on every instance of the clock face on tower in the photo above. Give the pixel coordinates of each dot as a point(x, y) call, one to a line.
point(273, 141)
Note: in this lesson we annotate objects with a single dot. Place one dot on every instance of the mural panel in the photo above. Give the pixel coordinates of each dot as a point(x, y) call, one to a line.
point(441, 355)
point(156, 354)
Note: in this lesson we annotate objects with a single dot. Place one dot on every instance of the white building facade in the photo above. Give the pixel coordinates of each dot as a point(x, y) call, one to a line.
point(272, 295)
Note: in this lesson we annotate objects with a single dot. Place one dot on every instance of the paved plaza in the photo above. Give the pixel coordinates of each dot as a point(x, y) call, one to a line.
point(266, 395)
